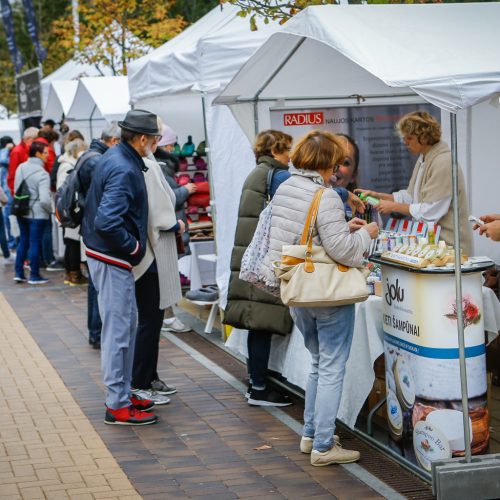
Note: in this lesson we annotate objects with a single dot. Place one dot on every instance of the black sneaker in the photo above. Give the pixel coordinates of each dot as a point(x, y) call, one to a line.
point(55, 265)
point(268, 397)
point(162, 388)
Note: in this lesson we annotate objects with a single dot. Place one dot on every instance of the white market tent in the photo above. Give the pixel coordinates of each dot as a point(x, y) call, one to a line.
point(10, 127)
point(390, 53)
point(171, 82)
point(71, 70)
point(172, 70)
point(97, 102)
point(329, 55)
point(60, 98)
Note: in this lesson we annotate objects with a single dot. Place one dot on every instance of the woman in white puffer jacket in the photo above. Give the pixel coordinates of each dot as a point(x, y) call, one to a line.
point(327, 331)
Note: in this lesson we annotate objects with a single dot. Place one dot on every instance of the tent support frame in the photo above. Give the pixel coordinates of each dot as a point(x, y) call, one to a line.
point(458, 287)
point(271, 77)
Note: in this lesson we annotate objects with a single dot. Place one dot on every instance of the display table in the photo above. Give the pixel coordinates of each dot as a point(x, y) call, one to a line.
point(290, 357)
point(199, 267)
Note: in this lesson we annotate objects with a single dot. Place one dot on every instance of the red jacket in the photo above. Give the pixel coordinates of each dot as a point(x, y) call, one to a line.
point(18, 155)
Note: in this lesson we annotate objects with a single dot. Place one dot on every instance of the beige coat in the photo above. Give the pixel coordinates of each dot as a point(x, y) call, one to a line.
point(161, 244)
point(290, 206)
point(436, 185)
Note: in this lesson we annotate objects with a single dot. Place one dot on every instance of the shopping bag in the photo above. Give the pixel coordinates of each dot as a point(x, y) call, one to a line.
point(311, 278)
point(256, 267)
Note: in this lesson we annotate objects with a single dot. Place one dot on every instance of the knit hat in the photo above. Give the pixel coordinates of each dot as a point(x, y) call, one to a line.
point(168, 136)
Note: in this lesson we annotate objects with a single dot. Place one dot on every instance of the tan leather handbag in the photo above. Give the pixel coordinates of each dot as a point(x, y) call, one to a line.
point(311, 278)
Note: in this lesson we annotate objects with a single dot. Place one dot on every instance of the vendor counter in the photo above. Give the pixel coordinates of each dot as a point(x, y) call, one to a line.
point(290, 357)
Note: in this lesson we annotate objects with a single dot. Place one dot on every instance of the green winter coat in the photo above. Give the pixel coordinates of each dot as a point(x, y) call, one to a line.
point(248, 307)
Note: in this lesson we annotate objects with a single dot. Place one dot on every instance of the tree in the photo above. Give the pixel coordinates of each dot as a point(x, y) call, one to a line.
point(192, 10)
point(114, 32)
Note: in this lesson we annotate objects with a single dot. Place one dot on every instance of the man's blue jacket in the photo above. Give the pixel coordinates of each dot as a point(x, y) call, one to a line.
point(114, 224)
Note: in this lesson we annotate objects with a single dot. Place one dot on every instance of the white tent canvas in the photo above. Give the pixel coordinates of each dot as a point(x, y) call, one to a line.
point(61, 95)
point(320, 58)
point(71, 70)
point(10, 127)
point(98, 101)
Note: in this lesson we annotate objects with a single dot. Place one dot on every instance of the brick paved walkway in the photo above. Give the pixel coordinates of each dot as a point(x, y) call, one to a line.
point(48, 447)
point(204, 445)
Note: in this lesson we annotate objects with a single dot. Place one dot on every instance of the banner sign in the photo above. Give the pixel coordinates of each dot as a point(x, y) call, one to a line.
point(8, 23)
point(424, 396)
point(29, 13)
point(385, 164)
point(29, 96)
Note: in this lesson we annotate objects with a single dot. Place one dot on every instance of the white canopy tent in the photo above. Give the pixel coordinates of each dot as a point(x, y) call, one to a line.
point(60, 99)
point(71, 70)
point(161, 81)
point(98, 101)
point(387, 53)
point(320, 57)
point(10, 127)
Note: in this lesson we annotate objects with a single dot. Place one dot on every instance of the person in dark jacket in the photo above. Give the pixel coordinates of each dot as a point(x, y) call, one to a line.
point(248, 307)
point(115, 233)
point(110, 137)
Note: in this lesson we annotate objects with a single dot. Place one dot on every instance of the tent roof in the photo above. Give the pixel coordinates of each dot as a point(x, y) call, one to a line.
point(447, 53)
point(61, 95)
point(205, 56)
point(174, 65)
point(108, 94)
point(70, 70)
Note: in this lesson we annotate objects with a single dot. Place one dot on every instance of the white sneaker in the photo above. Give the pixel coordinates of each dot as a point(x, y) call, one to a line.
point(174, 325)
point(158, 399)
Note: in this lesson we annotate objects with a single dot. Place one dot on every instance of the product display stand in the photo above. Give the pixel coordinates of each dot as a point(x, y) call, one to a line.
point(424, 390)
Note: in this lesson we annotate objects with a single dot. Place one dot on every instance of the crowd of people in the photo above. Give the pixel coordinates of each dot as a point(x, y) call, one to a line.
point(133, 219)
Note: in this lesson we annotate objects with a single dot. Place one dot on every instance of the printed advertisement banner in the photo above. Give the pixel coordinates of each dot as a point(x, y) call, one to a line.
point(424, 397)
point(8, 24)
point(384, 164)
point(29, 14)
point(29, 97)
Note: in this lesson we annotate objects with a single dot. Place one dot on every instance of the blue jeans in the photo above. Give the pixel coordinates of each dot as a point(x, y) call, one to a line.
point(47, 246)
point(3, 237)
point(31, 236)
point(94, 323)
point(327, 333)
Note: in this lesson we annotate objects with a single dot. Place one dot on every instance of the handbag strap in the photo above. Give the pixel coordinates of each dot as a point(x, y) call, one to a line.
point(307, 232)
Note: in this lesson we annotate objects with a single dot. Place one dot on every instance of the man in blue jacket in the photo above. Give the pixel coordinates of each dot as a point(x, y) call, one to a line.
point(114, 231)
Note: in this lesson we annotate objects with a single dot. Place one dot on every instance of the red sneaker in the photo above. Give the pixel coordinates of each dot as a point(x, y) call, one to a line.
point(129, 416)
point(142, 404)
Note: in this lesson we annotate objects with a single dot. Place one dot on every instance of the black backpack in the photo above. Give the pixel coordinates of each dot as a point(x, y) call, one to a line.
point(21, 201)
point(69, 201)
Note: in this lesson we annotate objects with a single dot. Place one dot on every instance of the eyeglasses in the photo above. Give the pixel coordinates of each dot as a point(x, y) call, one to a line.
point(346, 163)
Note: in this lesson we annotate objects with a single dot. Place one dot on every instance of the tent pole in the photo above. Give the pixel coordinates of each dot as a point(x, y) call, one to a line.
point(255, 98)
point(90, 122)
point(458, 288)
point(210, 173)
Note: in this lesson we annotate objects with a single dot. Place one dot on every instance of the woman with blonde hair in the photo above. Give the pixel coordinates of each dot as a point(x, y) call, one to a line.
point(428, 195)
point(71, 237)
point(327, 331)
